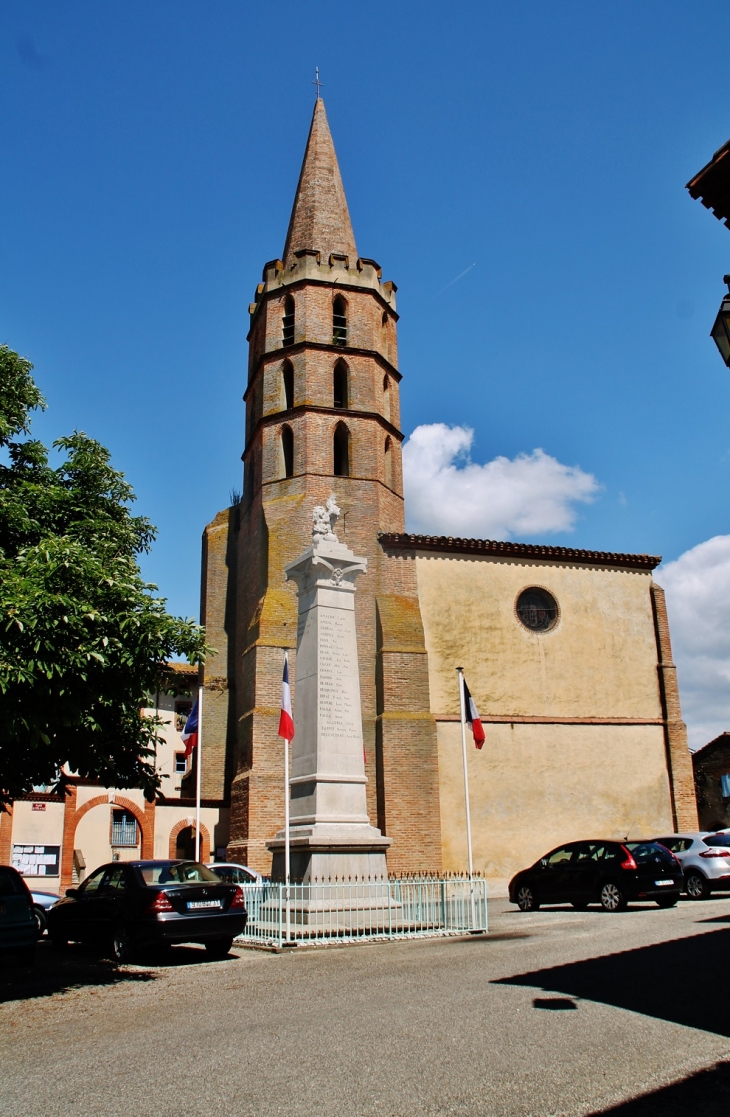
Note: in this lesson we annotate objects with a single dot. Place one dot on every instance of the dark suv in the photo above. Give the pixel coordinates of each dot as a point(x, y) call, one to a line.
point(608, 873)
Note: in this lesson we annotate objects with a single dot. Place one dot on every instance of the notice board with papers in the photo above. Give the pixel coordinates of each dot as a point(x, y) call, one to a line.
point(36, 861)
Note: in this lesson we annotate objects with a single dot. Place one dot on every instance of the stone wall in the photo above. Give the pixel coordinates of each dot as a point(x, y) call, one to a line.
point(574, 717)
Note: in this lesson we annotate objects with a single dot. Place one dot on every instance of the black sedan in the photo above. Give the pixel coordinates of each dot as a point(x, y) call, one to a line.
point(150, 903)
point(608, 873)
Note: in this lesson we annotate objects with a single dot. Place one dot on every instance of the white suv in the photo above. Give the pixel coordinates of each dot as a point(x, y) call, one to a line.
point(705, 861)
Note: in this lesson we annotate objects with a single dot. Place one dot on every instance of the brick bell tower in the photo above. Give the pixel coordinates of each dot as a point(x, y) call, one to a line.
point(322, 416)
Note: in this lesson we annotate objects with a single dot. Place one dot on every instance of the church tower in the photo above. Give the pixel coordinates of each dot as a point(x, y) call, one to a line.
point(322, 416)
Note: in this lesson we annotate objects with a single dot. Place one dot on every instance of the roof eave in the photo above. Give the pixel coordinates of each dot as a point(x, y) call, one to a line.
point(404, 541)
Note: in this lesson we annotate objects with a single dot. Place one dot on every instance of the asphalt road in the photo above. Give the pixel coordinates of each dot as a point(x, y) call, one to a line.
point(559, 1012)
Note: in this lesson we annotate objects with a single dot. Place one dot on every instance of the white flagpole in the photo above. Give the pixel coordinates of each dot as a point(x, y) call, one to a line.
point(286, 837)
point(462, 709)
point(199, 759)
point(287, 863)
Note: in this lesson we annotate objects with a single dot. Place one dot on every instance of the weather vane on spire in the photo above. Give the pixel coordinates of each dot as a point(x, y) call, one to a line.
point(316, 81)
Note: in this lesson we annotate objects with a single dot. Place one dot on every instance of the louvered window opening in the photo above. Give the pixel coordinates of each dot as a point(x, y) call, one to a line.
point(339, 329)
point(288, 329)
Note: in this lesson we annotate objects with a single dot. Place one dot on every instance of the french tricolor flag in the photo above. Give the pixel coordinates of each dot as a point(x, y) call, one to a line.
point(286, 721)
point(472, 717)
point(189, 734)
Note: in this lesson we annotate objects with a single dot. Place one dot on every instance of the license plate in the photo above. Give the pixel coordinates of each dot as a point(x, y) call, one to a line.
point(663, 883)
point(197, 905)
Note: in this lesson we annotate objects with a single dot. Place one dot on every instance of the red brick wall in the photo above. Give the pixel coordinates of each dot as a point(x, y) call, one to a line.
point(679, 760)
point(250, 610)
point(6, 834)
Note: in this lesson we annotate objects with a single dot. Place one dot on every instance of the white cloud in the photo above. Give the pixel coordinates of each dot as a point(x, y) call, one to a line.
point(448, 494)
point(698, 603)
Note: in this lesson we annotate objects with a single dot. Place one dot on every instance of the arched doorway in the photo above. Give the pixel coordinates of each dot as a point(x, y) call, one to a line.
point(185, 844)
point(182, 841)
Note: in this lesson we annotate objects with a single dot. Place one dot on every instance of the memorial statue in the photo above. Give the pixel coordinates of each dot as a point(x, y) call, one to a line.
point(324, 518)
point(330, 835)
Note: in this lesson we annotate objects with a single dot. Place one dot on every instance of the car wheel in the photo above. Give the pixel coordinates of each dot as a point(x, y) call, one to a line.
point(612, 898)
point(219, 948)
point(120, 946)
point(667, 901)
point(526, 900)
point(696, 886)
point(26, 956)
point(40, 919)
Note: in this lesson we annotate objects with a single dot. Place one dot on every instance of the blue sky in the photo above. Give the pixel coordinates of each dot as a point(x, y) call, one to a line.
point(150, 155)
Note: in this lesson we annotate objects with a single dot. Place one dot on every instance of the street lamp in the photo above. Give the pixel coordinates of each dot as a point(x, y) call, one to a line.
point(720, 332)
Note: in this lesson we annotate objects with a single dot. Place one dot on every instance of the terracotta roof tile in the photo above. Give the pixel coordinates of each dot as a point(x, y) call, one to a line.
point(404, 541)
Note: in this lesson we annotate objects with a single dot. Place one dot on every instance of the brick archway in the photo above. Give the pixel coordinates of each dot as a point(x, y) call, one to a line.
point(204, 838)
point(145, 820)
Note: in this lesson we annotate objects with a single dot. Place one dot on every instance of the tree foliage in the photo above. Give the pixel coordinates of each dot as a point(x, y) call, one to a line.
point(82, 640)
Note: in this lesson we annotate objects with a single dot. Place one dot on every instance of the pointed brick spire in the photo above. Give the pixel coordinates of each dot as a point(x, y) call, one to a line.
point(320, 218)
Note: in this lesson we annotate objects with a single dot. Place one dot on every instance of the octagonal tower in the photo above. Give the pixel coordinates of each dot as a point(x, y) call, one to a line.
point(322, 416)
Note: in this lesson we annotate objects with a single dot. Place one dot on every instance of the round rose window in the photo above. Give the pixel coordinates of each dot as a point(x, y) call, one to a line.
point(537, 609)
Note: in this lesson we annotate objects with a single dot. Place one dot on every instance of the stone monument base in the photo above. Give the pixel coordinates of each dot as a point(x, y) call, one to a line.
point(328, 854)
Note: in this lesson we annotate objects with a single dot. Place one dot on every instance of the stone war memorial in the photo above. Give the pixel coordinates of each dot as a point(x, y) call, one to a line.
point(331, 837)
point(567, 651)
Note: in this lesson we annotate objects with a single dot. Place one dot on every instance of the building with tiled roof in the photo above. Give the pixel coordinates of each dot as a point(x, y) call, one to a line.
point(566, 652)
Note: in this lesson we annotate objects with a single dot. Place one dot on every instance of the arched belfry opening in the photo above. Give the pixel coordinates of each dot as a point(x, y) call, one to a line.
point(339, 321)
point(340, 385)
point(287, 322)
point(287, 385)
point(389, 462)
point(287, 451)
point(341, 449)
point(386, 397)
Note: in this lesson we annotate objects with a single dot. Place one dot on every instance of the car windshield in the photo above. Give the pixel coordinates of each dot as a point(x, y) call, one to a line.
point(177, 872)
point(648, 851)
point(717, 840)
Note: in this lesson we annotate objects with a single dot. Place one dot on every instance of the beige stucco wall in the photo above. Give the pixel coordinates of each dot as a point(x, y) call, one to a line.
point(170, 744)
point(532, 787)
point(86, 792)
point(39, 827)
point(536, 785)
point(599, 660)
point(92, 836)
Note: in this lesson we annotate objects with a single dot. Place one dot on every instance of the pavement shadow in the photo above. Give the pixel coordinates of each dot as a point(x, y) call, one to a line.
point(707, 1092)
point(59, 972)
point(685, 981)
point(78, 967)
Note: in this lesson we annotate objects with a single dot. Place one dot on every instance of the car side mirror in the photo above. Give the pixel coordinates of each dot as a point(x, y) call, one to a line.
point(72, 892)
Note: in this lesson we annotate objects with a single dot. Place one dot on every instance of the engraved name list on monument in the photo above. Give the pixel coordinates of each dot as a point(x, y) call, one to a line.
point(338, 680)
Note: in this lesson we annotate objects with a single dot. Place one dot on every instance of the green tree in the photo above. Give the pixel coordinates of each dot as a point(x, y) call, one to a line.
point(82, 639)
